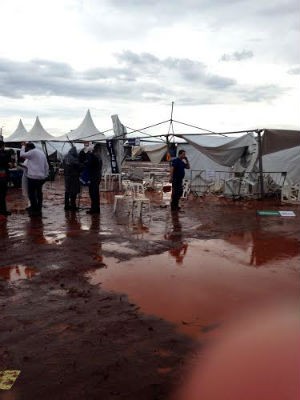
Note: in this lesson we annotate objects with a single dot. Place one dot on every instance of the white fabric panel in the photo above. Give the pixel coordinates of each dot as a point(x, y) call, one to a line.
point(119, 132)
point(284, 161)
point(155, 152)
point(228, 150)
point(199, 161)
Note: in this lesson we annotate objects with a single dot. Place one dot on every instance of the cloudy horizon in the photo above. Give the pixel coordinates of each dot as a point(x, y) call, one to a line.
point(226, 66)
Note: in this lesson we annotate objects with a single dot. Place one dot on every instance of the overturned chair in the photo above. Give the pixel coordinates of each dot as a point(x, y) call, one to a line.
point(133, 198)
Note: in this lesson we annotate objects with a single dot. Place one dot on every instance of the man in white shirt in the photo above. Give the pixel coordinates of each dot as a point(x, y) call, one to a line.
point(37, 172)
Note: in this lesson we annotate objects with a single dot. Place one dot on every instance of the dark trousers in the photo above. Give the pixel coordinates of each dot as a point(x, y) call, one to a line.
point(177, 191)
point(35, 194)
point(3, 191)
point(94, 195)
point(70, 200)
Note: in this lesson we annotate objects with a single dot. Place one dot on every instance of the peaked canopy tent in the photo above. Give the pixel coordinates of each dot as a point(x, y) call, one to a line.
point(37, 134)
point(86, 131)
point(19, 134)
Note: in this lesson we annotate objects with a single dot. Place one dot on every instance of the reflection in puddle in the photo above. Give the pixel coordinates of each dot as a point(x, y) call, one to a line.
point(122, 248)
point(209, 286)
point(175, 235)
point(261, 249)
point(54, 238)
point(13, 273)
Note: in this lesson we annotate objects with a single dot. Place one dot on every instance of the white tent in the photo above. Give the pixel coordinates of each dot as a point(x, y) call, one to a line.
point(285, 160)
point(19, 135)
point(280, 154)
point(86, 131)
point(38, 133)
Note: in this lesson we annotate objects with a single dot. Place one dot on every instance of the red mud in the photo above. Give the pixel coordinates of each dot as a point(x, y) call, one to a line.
point(113, 308)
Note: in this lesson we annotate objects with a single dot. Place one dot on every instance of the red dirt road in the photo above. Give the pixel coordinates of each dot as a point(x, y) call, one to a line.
point(105, 307)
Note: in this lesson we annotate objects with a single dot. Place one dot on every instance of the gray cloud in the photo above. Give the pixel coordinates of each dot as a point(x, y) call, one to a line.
point(187, 70)
point(138, 77)
point(261, 93)
point(237, 56)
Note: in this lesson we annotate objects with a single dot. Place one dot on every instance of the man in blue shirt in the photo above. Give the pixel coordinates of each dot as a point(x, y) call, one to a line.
point(177, 172)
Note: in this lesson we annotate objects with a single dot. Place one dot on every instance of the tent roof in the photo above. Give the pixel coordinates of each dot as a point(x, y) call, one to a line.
point(223, 150)
point(19, 134)
point(85, 131)
point(274, 140)
point(37, 132)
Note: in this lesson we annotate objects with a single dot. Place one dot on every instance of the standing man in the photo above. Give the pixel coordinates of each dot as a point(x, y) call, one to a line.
point(4, 172)
point(71, 167)
point(37, 172)
point(177, 172)
point(94, 167)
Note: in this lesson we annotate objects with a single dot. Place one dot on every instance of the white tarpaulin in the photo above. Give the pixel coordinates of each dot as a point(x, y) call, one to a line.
point(199, 161)
point(223, 150)
point(285, 161)
point(120, 134)
point(155, 152)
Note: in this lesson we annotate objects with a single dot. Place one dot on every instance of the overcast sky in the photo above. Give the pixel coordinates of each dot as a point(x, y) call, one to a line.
point(226, 64)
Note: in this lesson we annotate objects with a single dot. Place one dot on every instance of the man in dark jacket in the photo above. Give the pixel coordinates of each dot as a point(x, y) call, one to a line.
point(94, 166)
point(177, 172)
point(4, 172)
point(71, 174)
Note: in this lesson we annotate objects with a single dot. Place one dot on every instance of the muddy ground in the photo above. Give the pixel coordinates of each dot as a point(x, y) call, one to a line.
point(110, 307)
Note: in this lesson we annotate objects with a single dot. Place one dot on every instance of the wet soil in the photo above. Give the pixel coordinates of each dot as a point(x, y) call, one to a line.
point(114, 307)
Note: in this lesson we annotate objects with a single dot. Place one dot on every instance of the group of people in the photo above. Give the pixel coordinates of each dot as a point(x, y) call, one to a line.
point(85, 168)
point(86, 164)
point(36, 171)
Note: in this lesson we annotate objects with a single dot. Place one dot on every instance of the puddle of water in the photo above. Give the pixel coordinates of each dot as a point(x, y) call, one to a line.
point(53, 238)
point(211, 283)
point(13, 273)
point(118, 248)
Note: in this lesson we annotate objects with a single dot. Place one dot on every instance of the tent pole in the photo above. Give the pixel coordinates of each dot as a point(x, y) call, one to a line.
point(167, 136)
point(260, 165)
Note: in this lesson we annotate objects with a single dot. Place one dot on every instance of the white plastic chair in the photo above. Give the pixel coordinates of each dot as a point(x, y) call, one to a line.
point(127, 196)
point(139, 198)
point(186, 188)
